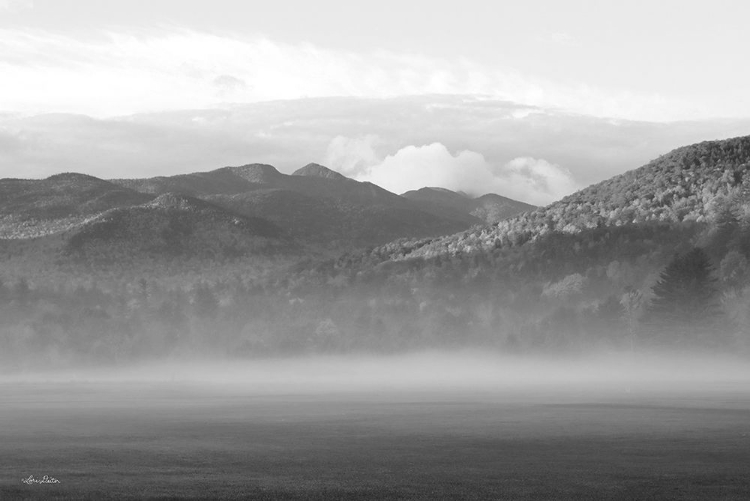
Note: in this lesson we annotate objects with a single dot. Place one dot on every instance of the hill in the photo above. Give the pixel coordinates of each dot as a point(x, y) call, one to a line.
point(689, 184)
point(332, 225)
point(579, 272)
point(317, 209)
point(489, 208)
point(33, 208)
point(315, 205)
point(173, 226)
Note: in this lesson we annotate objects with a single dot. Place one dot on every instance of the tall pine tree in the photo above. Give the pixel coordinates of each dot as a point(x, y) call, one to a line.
point(685, 297)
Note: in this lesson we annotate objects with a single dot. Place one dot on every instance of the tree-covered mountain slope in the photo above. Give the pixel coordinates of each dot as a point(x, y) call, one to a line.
point(312, 180)
point(32, 208)
point(579, 273)
point(333, 226)
point(227, 180)
point(689, 184)
point(489, 208)
point(314, 204)
point(172, 226)
point(321, 210)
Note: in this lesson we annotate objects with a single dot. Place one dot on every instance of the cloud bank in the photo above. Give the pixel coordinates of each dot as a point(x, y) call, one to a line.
point(355, 135)
point(120, 73)
point(531, 180)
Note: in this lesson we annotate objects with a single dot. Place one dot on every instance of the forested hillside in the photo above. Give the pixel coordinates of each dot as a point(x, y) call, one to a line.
point(656, 258)
point(690, 184)
point(33, 208)
point(578, 273)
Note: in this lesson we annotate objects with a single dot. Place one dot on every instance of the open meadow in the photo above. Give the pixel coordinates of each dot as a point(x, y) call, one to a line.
point(564, 439)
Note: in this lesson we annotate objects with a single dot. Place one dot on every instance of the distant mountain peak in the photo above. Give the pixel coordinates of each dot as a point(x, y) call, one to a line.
point(317, 170)
point(490, 208)
point(256, 173)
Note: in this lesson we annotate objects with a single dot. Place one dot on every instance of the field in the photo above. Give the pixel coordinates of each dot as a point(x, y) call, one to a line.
point(564, 440)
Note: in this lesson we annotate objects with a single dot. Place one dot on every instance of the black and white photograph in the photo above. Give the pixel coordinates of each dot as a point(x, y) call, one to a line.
point(383, 250)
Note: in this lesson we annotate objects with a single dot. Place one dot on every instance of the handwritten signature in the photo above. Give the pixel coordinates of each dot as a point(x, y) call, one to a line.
point(44, 480)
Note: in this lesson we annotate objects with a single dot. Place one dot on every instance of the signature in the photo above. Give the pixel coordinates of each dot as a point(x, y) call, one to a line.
point(44, 480)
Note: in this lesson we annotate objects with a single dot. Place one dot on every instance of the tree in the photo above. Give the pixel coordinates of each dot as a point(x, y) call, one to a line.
point(685, 296)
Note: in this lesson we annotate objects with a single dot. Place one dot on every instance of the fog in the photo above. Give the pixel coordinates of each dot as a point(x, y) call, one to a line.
point(428, 370)
point(456, 425)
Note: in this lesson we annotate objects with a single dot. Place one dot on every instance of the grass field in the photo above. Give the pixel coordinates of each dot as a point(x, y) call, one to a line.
point(166, 440)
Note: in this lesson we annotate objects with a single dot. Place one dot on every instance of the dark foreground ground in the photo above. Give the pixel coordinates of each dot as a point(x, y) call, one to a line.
point(141, 441)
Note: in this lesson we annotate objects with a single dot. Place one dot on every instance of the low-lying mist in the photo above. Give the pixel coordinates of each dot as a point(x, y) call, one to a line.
point(428, 370)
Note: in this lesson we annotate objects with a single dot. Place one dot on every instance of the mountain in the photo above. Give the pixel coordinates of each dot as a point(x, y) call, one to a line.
point(32, 208)
point(312, 180)
point(598, 271)
point(315, 205)
point(171, 226)
point(489, 208)
point(689, 184)
point(317, 170)
point(228, 180)
point(231, 212)
point(330, 224)
point(576, 274)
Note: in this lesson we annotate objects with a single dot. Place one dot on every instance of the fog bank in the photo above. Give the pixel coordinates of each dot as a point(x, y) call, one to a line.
point(470, 370)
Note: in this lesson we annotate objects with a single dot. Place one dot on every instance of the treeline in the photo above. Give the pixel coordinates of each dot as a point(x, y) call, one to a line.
point(608, 288)
point(598, 289)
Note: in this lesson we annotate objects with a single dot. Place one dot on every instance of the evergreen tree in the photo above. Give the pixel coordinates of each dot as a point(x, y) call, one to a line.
point(685, 297)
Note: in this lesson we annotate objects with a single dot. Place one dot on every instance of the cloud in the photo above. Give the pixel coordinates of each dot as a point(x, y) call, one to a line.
point(531, 180)
point(16, 5)
point(346, 134)
point(538, 180)
point(352, 155)
point(120, 73)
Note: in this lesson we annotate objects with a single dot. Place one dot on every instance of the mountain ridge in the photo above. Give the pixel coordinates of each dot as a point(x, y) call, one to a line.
point(316, 207)
point(489, 207)
point(678, 186)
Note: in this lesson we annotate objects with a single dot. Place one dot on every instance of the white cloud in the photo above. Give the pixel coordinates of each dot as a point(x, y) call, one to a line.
point(123, 73)
point(538, 180)
point(346, 134)
point(352, 155)
point(535, 181)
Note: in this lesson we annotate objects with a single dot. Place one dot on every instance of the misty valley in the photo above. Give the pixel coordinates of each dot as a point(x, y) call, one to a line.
point(388, 250)
point(243, 333)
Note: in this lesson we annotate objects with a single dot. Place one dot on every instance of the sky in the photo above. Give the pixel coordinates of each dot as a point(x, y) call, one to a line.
point(125, 88)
